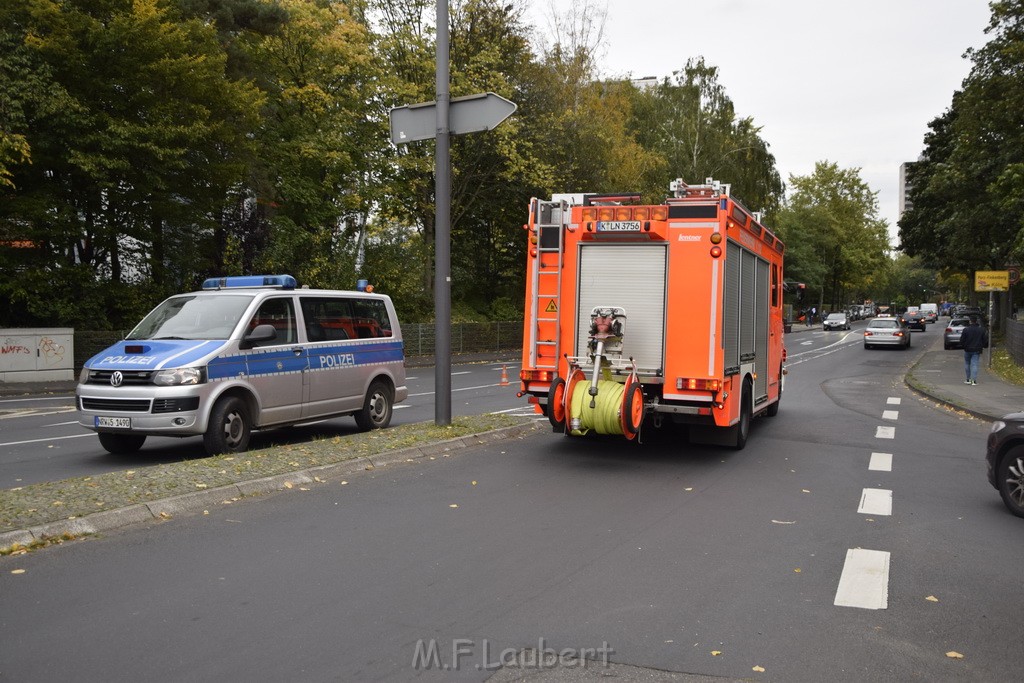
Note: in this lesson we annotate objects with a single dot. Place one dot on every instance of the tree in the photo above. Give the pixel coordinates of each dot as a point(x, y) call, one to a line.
point(835, 241)
point(693, 125)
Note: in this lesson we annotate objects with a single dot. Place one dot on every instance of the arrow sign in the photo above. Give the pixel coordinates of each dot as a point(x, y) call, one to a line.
point(470, 114)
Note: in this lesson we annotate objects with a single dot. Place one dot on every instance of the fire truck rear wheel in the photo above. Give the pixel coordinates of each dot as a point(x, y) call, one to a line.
point(741, 430)
point(556, 404)
point(773, 409)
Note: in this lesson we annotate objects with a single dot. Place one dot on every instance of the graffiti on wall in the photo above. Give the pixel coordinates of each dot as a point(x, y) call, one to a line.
point(52, 352)
point(11, 346)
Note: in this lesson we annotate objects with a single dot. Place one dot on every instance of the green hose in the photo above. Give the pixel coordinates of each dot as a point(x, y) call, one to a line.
point(604, 416)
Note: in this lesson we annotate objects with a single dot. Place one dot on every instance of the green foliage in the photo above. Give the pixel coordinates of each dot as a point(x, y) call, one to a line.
point(835, 241)
point(968, 187)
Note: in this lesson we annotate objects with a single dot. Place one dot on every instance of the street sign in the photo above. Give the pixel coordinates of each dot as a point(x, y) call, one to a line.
point(1014, 272)
point(470, 114)
point(991, 280)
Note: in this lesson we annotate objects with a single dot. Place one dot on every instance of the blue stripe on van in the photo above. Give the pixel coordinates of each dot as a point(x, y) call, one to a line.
point(152, 354)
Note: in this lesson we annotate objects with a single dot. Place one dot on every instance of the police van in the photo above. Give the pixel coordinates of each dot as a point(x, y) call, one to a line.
point(246, 353)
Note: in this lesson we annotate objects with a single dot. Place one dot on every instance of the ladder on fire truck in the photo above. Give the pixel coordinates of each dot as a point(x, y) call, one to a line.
point(549, 217)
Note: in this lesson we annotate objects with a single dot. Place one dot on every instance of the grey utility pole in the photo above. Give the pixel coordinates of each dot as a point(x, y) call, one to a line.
point(442, 233)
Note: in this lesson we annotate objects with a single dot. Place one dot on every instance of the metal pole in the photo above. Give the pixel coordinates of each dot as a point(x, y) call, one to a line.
point(442, 233)
point(990, 295)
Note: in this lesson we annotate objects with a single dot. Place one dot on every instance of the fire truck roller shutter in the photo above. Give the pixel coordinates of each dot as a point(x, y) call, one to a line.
point(631, 276)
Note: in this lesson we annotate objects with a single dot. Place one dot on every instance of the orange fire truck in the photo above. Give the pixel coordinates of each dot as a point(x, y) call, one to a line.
point(641, 314)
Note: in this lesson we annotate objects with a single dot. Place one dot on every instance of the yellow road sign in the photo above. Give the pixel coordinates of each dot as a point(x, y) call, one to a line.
point(991, 280)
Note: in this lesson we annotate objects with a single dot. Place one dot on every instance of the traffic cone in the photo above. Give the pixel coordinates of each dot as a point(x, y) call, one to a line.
point(504, 377)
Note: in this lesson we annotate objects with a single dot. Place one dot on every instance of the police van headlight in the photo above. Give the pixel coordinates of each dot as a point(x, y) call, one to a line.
point(179, 376)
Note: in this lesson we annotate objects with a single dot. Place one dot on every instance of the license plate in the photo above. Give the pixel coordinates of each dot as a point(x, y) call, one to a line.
point(618, 226)
point(114, 422)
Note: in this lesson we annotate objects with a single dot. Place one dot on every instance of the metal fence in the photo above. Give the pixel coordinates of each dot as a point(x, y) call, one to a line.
point(419, 339)
point(466, 337)
point(1014, 340)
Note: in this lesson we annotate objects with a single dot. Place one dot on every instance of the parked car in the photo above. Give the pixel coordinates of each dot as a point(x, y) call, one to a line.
point(1005, 457)
point(951, 337)
point(836, 321)
point(915, 320)
point(886, 332)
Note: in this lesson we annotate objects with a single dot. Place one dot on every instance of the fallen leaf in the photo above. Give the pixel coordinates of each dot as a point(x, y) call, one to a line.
point(776, 521)
point(758, 669)
point(453, 505)
point(474, 483)
point(17, 571)
point(287, 484)
point(953, 654)
point(715, 653)
point(690, 488)
point(206, 512)
point(165, 515)
point(303, 488)
point(932, 598)
point(805, 490)
point(343, 483)
point(797, 570)
point(200, 486)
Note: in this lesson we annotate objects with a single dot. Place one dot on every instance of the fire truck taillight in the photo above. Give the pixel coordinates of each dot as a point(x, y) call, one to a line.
point(698, 384)
point(589, 214)
point(623, 213)
point(606, 213)
point(716, 251)
point(716, 238)
point(536, 375)
point(642, 213)
point(659, 213)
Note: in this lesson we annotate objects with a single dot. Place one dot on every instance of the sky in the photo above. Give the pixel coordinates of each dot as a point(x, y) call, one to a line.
point(850, 82)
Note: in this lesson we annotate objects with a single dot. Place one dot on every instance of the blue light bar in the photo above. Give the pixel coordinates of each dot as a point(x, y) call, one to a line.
point(237, 281)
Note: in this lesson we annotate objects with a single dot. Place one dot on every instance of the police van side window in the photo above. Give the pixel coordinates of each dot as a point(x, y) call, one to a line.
point(337, 318)
point(280, 314)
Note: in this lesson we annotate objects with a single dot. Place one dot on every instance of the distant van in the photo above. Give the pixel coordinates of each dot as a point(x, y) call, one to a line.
point(931, 312)
point(249, 352)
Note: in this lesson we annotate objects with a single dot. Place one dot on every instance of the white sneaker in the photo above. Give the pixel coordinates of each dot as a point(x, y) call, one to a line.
point(967, 381)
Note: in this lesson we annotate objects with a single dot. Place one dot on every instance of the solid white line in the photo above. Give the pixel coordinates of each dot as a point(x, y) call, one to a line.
point(864, 582)
point(482, 386)
point(875, 502)
point(52, 438)
point(890, 414)
point(885, 433)
point(464, 372)
point(881, 462)
point(894, 401)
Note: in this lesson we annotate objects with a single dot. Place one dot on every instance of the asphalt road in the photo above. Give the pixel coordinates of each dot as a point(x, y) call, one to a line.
point(663, 553)
point(41, 440)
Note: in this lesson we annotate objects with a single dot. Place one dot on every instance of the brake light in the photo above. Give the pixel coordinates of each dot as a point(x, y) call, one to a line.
point(589, 214)
point(606, 213)
point(535, 375)
point(642, 213)
point(659, 213)
point(623, 213)
point(698, 384)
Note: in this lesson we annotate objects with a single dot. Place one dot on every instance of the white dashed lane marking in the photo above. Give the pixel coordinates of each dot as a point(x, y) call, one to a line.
point(885, 433)
point(881, 462)
point(865, 580)
point(875, 502)
point(890, 414)
point(894, 401)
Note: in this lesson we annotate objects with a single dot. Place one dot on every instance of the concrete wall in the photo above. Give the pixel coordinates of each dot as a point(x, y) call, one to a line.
point(37, 354)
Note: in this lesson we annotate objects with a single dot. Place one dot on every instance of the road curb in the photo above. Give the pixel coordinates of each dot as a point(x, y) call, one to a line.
point(110, 520)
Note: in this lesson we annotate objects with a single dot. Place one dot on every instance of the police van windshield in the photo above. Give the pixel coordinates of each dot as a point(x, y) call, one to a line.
point(193, 317)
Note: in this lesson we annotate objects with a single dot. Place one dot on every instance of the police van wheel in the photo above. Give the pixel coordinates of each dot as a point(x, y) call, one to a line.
point(229, 428)
point(376, 411)
point(120, 444)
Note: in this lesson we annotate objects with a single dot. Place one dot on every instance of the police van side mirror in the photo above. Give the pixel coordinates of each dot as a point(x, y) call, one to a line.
point(261, 333)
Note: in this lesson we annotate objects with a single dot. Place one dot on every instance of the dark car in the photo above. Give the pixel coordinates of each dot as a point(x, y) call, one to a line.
point(1005, 456)
point(836, 321)
point(951, 336)
point(916, 321)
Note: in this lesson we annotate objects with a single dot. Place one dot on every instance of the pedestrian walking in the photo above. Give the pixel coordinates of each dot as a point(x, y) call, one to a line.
point(974, 339)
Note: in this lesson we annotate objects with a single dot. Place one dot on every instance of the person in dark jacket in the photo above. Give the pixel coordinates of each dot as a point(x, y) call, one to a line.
point(973, 339)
